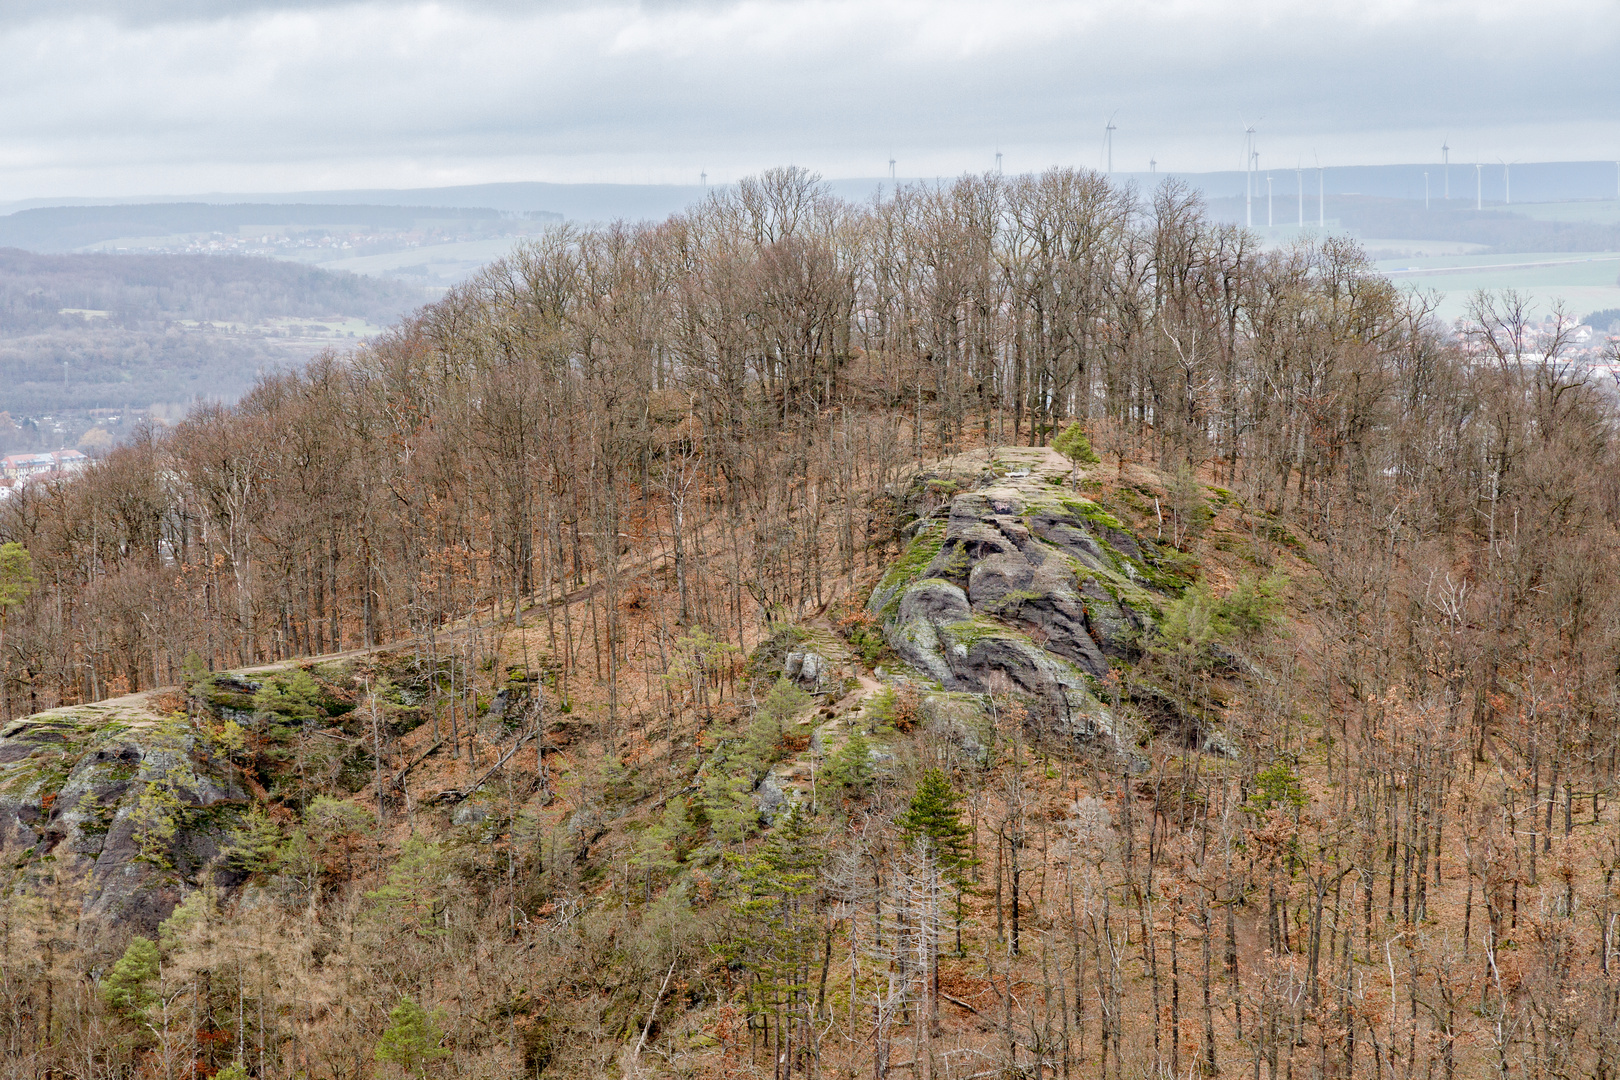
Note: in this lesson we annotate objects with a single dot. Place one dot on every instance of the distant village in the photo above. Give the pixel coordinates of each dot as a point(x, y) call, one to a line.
point(321, 244)
point(18, 469)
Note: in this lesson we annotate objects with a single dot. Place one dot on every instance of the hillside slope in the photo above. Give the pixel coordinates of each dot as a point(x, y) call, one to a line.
point(725, 695)
point(576, 902)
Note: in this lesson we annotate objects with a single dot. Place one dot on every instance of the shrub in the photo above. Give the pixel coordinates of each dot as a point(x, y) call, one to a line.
point(898, 709)
point(1277, 785)
point(763, 744)
point(861, 628)
point(849, 771)
point(295, 696)
point(1200, 618)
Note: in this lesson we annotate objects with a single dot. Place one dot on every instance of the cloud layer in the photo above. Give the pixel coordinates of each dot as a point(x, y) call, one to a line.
point(132, 96)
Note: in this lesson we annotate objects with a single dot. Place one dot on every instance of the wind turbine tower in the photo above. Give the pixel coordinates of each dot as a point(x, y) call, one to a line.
point(703, 177)
point(1479, 187)
point(1108, 141)
point(1507, 183)
point(998, 162)
point(1153, 165)
point(1248, 174)
point(891, 170)
point(1445, 165)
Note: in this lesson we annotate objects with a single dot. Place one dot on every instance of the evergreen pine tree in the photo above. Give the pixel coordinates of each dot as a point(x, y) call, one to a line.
point(775, 936)
point(128, 987)
point(412, 1039)
point(934, 819)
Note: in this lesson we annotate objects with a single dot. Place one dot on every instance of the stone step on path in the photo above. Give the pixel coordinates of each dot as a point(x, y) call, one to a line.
point(793, 777)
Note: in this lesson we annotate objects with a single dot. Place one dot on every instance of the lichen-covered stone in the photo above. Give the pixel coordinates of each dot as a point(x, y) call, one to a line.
point(1022, 588)
point(133, 807)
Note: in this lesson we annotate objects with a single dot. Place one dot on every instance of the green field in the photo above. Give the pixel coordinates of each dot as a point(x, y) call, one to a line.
point(1600, 211)
point(1583, 282)
point(431, 265)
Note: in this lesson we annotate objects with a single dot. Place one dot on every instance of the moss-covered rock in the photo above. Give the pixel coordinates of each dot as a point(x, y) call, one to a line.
point(130, 804)
point(1028, 587)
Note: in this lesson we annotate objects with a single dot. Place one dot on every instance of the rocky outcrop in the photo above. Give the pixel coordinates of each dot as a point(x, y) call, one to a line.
point(1023, 585)
point(134, 807)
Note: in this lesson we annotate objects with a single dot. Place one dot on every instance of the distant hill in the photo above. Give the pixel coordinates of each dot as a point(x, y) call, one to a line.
point(1544, 181)
point(69, 228)
point(1539, 181)
point(1497, 229)
point(146, 290)
point(121, 333)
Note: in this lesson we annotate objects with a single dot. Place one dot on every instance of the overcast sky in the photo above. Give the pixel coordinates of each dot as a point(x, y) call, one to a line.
point(129, 97)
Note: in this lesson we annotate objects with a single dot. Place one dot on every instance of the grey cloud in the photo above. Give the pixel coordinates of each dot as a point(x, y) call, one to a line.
point(141, 13)
point(468, 86)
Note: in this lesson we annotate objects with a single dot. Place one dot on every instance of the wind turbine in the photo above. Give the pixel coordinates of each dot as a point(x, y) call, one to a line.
point(1108, 142)
point(1321, 201)
point(1254, 170)
point(1153, 165)
point(1445, 165)
point(1507, 182)
point(998, 162)
point(1248, 174)
point(703, 177)
point(891, 170)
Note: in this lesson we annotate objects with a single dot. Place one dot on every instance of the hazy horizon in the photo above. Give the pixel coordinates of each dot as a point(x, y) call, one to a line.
point(157, 97)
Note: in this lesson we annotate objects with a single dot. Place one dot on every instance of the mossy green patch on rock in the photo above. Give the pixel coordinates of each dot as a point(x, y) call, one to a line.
point(969, 632)
point(907, 569)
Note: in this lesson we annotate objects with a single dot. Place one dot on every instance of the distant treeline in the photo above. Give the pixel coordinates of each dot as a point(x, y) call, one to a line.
point(150, 290)
point(66, 228)
point(1603, 320)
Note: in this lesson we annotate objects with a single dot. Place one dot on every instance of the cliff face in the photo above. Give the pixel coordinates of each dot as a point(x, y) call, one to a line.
point(132, 803)
point(131, 806)
point(1022, 585)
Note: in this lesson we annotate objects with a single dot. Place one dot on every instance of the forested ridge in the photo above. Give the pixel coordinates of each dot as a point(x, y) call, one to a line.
point(150, 291)
point(1334, 797)
point(124, 332)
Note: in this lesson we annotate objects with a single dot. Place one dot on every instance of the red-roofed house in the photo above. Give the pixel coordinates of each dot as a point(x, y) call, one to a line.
point(20, 467)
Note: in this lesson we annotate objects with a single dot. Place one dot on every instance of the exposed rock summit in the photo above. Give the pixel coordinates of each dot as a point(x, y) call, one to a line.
point(1022, 580)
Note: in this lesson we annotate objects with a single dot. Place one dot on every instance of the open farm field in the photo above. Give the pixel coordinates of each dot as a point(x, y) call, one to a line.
point(432, 265)
point(1582, 282)
point(1602, 211)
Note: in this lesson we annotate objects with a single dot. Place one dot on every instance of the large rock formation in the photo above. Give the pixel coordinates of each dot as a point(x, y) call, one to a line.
point(1025, 582)
point(134, 806)
point(134, 802)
